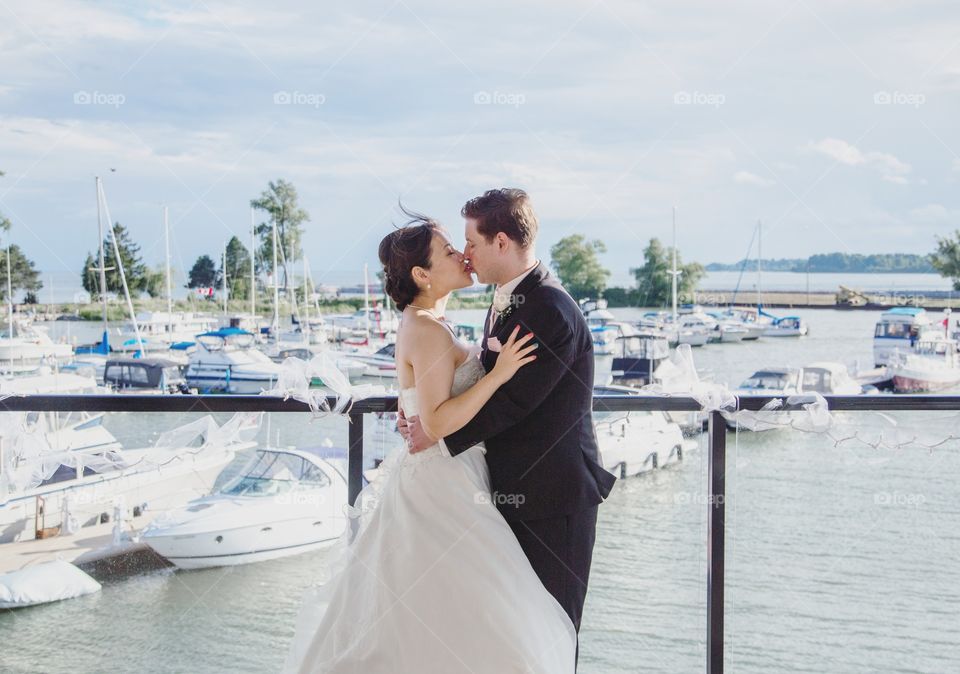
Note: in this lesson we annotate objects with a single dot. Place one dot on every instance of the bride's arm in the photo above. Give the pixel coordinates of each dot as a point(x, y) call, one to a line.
point(434, 361)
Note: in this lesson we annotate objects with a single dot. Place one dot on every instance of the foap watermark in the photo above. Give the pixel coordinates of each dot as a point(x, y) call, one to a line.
point(900, 299)
point(696, 498)
point(114, 100)
point(698, 297)
point(314, 100)
point(498, 499)
point(915, 99)
point(897, 498)
point(499, 98)
point(699, 98)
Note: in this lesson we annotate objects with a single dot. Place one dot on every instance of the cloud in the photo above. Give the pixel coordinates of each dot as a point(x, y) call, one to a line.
point(890, 167)
point(747, 178)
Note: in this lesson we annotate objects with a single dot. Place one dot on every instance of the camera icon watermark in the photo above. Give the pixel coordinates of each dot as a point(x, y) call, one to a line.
point(114, 100)
point(514, 100)
point(899, 499)
point(699, 98)
point(899, 98)
point(314, 100)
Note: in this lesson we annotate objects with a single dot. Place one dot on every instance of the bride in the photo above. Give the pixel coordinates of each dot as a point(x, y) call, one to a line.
point(434, 580)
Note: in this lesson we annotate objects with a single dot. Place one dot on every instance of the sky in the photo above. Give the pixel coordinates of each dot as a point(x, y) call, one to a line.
point(832, 123)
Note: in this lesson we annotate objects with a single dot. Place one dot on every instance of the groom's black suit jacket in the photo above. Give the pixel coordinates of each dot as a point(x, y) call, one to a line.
point(538, 427)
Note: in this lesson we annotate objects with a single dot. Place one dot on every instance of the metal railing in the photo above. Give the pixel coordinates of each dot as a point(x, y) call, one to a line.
point(716, 434)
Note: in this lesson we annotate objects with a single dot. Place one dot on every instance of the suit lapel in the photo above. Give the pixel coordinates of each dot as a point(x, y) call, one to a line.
point(518, 296)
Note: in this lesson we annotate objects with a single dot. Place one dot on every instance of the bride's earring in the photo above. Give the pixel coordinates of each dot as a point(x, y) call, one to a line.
point(429, 286)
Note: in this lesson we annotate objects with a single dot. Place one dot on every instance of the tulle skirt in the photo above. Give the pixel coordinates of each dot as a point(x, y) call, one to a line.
point(430, 579)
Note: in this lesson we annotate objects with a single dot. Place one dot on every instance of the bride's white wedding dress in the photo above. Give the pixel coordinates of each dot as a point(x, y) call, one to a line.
point(434, 580)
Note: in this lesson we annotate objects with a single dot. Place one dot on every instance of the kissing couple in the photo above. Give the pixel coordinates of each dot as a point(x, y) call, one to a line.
point(474, 551)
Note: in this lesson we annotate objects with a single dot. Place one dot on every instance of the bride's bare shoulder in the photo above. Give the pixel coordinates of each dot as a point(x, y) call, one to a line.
point(419, 330)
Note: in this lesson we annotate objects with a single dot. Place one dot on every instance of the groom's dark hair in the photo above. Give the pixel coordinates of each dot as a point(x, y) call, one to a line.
point(506, 210)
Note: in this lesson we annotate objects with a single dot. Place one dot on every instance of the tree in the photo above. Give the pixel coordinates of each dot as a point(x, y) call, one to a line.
point(155, 282)
point(575, 261)
point(279, 202)
point(946, 259)
point(203, 274)
point(653, 278)
point(133, 267)
point(22, 274)
point(238, 270)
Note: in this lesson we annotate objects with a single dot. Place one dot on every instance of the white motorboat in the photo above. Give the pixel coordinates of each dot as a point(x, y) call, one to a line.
point(373, 320)
point(49, 489)
point(829, 378)
point(933, 365)
point(159, 330)
point(284, 502)
point(29, 346)
point(227, 361)
point(899, 330)
point(636, 442)
point(787, 326)
point(746, 318)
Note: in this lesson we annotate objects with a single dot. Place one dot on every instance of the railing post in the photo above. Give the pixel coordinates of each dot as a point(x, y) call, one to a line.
point(715, 544)
point(355, 457)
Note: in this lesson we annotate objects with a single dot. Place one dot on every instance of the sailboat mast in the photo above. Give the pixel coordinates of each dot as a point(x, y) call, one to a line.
point(276, 288)
point(366, 302)
point(674, 273)
point(166, 241)
point(10, 300)
point(103, 261)
point(253, 266)
point(224, 279)
point(123, 275)
point(759, 265)
point(306, 303)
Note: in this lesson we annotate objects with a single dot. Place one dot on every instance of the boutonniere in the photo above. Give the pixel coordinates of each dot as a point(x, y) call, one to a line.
point(509, 309)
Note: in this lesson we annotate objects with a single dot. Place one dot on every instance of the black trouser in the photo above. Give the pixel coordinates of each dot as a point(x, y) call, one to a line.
point(560, 550)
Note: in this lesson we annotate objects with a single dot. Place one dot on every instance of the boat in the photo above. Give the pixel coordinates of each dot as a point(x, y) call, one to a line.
point(48, 489)
point(284, 502)
point(746, 318)
point(640, 355)
point(636, 442)
point(899, 330)
point(830, 378)
point(374, 320)
point(225, 361)
point(933, 365)
point(144, 376)
point(786, 326)
point(161, 329)
point(26, 346)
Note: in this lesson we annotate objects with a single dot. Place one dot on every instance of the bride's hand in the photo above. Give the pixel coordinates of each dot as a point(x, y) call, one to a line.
point(514, 355)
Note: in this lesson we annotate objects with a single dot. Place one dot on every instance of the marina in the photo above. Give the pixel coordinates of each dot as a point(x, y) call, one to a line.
point(658, 504)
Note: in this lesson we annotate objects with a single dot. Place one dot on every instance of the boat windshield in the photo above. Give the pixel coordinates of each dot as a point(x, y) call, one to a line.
point(817, 380)
point(767, 380)
point(895, 330)
point(271, 473)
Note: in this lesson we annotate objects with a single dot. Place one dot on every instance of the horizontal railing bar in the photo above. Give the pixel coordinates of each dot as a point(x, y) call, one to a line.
point(605, 403)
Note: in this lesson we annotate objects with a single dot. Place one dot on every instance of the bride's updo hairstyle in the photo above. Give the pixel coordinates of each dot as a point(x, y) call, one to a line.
point(403, 249)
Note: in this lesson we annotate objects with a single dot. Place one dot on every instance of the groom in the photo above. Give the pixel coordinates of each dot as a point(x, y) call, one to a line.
point(538, 429)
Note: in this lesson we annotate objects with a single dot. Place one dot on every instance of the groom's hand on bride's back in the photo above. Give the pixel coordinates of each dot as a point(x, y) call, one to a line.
point(417, 438)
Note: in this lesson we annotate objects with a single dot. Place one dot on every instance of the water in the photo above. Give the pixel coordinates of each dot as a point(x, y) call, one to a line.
point(839, 559)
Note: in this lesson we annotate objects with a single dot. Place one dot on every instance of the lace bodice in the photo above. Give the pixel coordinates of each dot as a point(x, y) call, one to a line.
point(466, 375)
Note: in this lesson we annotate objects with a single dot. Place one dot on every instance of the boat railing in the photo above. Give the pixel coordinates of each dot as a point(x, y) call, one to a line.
point(716, 448)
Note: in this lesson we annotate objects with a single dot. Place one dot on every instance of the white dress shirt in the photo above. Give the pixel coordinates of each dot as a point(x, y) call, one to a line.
point(501, 300)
